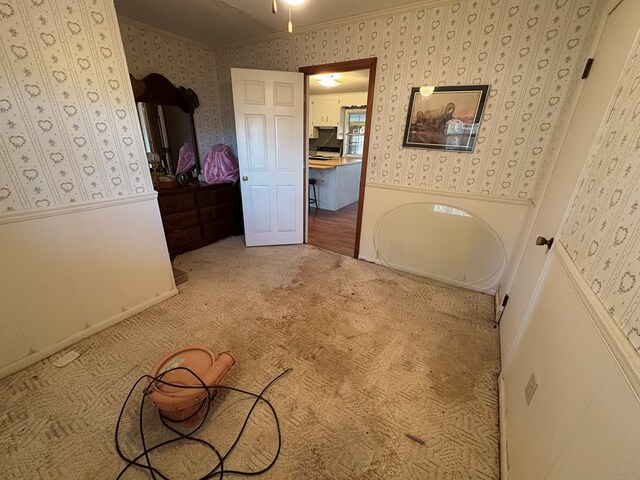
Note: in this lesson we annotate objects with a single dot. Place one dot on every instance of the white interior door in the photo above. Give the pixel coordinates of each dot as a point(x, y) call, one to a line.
point(269, 109)
point(620, 30)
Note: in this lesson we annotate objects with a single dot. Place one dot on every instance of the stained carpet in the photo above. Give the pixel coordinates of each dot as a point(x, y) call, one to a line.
point(393, 376)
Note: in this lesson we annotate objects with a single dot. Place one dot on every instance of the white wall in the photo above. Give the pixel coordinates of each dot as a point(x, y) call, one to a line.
point(529, 52)
point(68, 272)
point(505, 216)
point(81, 239)
point(583, 422)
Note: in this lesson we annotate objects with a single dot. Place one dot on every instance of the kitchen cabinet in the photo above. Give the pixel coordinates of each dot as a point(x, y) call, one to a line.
point(327, 111)
point(358, 99)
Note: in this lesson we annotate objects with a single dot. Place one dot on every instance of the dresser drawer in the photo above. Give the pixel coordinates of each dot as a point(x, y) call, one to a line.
point(214, 195)
point(183, 238)
point(175, 203)
point(217, 230)
point(180, 221)
point(225, 211)
point(199, 214)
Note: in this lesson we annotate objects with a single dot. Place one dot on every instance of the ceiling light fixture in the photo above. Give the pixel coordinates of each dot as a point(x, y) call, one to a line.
point(426, 91)
point(274, 9)
point(329, 81)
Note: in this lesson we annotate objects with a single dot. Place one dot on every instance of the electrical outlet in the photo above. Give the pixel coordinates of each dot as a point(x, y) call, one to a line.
point(530, 389)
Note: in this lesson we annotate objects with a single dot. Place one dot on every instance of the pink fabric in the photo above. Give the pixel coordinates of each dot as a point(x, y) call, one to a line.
point(221, 165)
point(186, 159)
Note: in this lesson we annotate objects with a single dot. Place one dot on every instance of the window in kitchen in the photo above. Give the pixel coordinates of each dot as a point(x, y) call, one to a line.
point(354, 138)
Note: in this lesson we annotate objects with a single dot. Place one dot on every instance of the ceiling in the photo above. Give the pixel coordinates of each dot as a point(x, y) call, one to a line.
point(220, 22)
point(351, 82)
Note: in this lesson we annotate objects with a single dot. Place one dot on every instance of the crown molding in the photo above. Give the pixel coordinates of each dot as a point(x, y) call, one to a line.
point(409, 7)
point(134, 23)
point(343, 21)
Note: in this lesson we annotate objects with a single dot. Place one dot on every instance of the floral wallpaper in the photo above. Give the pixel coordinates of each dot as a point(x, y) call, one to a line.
point(602, 231)
point(184, 63)
point(68, 130)
point(527, 50)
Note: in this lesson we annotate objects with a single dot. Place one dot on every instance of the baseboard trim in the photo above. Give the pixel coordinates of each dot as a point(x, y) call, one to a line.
point(502, 420)
point(498, 310)
point(453, 283)
point(35, 213)
point(371, 260)
point(526, 202)
point(618, 344)
point(48, 351)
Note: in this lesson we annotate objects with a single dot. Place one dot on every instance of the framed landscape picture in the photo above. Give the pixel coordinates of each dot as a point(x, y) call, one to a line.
point(447, 119)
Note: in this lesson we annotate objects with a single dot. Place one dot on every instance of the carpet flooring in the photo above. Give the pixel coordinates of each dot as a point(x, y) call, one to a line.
point(393, 376)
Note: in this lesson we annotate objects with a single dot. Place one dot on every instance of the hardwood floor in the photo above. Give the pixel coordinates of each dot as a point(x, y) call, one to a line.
point(334, 231)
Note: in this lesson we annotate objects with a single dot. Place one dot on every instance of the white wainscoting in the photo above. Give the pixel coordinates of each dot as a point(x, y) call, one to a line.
point(583, 422)
point(71, 271)
point(506, 216)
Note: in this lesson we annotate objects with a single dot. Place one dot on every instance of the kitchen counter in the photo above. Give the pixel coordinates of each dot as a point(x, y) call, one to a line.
point(333, 163)
point(337, 181)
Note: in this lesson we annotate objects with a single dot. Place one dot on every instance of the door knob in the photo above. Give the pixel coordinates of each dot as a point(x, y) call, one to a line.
point(543, 241)
point(245, 178)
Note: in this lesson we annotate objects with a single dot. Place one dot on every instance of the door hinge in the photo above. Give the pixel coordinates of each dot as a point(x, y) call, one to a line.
point(587, 68)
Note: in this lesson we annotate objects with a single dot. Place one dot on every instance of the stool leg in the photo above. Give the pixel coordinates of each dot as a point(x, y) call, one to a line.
point(315, 197)
point(315, 194)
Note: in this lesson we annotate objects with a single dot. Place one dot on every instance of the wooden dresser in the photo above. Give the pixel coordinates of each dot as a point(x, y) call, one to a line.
point(196, 215)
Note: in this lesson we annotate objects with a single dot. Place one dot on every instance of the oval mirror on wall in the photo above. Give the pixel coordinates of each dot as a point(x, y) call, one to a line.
point(441, 242)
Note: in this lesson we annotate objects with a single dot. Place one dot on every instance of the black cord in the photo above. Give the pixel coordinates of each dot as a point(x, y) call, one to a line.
point(218, 470)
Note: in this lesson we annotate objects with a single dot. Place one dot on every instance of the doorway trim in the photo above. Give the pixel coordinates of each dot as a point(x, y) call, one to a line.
point(347, 66)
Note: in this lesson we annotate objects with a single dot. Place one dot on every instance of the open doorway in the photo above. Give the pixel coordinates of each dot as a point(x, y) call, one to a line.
point(338, 112)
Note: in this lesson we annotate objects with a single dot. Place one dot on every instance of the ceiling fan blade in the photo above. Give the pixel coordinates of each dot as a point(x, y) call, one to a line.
point(274, 6)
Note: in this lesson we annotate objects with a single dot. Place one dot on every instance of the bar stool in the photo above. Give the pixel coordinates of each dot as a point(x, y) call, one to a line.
point(313, 201)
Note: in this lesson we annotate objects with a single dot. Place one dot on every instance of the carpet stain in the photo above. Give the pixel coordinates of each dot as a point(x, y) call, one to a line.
point(393, 376)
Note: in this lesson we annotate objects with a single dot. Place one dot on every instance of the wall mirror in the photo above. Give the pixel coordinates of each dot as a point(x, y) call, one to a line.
point(447, 244)
point(166, 119)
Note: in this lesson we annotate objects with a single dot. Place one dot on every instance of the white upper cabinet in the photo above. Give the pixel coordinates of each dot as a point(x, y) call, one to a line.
point(325, 110)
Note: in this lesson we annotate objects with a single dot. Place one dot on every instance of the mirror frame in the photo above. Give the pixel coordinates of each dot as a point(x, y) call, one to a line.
point(157, 89)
